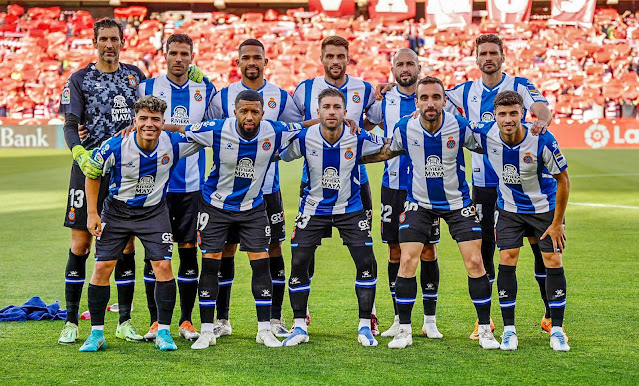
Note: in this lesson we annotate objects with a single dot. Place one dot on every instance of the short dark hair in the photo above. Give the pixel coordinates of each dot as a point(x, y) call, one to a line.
point(489, 38)
point(251, 42)
point(151, 103)
point(334, 41)
point(508, 98)
point(331, 92)
point(179, 38)
point(250, 96)
point(107, 23)
point(431, 80)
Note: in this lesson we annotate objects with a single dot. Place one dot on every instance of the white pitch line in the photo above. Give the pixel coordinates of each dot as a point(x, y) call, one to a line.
point(604, 205)
point(604, 175)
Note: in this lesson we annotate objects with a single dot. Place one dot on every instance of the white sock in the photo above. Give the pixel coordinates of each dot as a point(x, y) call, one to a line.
point(97, 328)
point(510, 328)
point(374, 312)
point(406, 327)
point(484, 327)
point(556, 329)
point(263, 326)
point(207, 327)
point(163, 327)
point(301, 323)
point(364, 323)
point(396, 320)
point(429, 319)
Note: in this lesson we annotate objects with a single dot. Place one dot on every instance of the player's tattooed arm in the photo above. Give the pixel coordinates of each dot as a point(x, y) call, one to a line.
point(557, 231)
point(94, 223)
point(384, 154)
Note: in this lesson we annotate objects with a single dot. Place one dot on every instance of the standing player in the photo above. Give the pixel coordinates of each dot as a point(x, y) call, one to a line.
point(332, 198)
point(99, 96)
point(476, 99)
point(140, 166)
point(528, 199)
point(187, 101)
point(399, 102)
point(437, 189)
point(279, 106)
point(359, 97)
point(243, 148)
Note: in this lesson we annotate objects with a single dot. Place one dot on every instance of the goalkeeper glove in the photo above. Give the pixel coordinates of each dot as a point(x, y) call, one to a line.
point(89, 166)
point(195, 74)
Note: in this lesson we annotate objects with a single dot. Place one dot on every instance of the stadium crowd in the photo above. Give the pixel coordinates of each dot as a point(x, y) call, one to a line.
point(585, 73)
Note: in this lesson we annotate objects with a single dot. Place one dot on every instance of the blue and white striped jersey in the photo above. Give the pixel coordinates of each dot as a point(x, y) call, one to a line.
point(186, 104)
point(239, 165)
point(391, 110)
point(334, 183)
point(437, 178)
point(477, 102)
point(139, 178)
point(525, 170)
point(359, 96)
point(278, 106)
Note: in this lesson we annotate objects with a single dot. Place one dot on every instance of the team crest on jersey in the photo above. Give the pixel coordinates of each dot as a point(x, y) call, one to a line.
point(245, 168)
point(132, 81)
point(330, 179)
point(402, 217)
point(450, 143)
point(434, 167)
point(487, 116)
point(510, 175)
point(180, 116)
point(71, 214)
point(271, 103)
point(165, 159)
point(66, 96)
point(145, 185)
point(198, 96)
point(266, 145)
point(356, 97)
point(528, 158)
point(348, 154)
point(120, 111)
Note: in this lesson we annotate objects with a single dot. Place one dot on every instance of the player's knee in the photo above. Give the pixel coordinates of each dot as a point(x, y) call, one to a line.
point(408, 265)
point(394, 253)
point(80, 242)
point(552, 260)
point(216, 256)
point(102, 272)
point(275, 249)
point(509, 257)
point(532, 240)
point(186, 245)
point(474, 265)
point(229, 250)
point(429, 253)
point(163, 270)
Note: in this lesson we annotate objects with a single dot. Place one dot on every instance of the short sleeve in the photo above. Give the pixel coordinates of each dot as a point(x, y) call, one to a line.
point(371, 143)
point(215, 110)
point(374, 113)
point(292, 152)
point(290, 113)
point(553, 157)
point(183, 146)
point(397, 143)
point(105, 154)
point(298, 98)
point(202, 132)
point(529, 92)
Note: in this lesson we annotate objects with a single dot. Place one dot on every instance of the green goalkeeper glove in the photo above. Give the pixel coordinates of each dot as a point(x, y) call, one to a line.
point(89, 166)
point(195, 74)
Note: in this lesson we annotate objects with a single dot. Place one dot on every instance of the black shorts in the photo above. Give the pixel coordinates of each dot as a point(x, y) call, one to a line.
point(214, 227)
point(121, 221)
point(485, 200)
point(275, 212)
point(310, 230)
point(183, 209)
point(393, 201)
point(367, 203)
point(416, 223)
point(513, 227)
point(76, 214)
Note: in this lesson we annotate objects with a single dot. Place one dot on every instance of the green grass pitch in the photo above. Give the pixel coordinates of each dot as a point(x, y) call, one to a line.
point(602, 315)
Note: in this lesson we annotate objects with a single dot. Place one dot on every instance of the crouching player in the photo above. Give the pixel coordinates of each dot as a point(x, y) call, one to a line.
point(533, 194)
point(140, 166)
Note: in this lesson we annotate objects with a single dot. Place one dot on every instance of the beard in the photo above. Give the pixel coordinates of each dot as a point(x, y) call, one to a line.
point(406, 83)
point(256, 75)
point(434, 119)
point(327, 71)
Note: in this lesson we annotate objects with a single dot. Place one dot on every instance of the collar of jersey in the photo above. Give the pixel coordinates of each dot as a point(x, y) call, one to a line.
point(436, 133)
point(239, 135)
point(503, 76)
point(258, 90)
point(333, 86)
point(336, 143)
point(405, 96)
point(517, 145)
point(144, 153)
point(173, 84)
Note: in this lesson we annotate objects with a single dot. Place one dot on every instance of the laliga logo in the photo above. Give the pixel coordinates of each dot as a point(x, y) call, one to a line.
point(597, 136)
